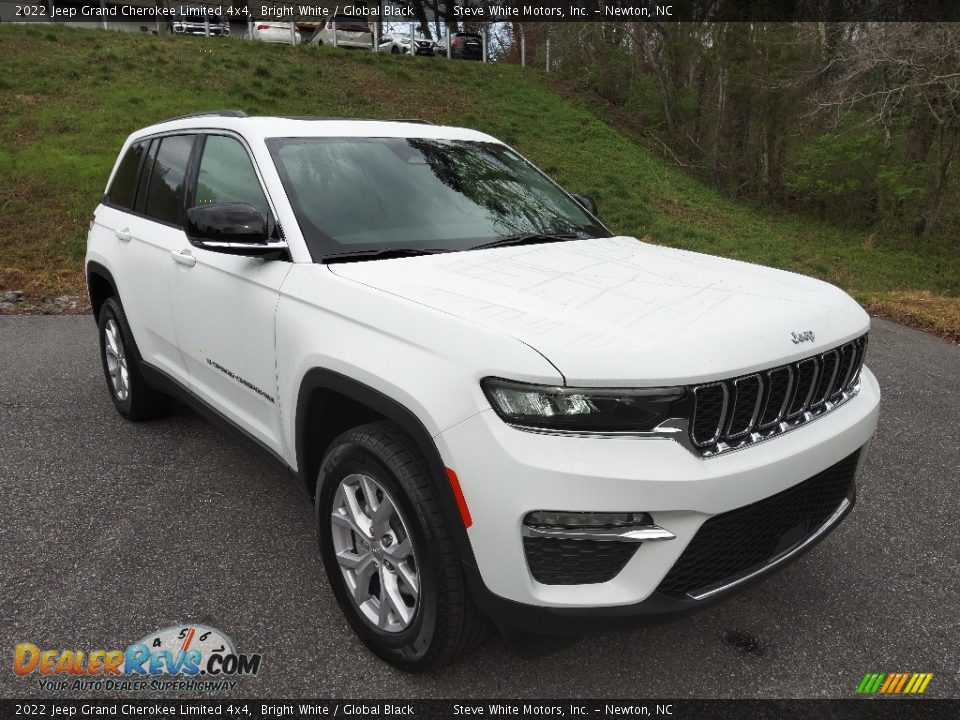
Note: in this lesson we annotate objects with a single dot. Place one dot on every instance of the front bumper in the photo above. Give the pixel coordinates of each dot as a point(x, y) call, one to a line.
point(506, 473)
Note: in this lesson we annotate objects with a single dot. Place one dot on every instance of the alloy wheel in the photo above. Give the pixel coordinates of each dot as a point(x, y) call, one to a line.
point(375, 553)
point(116, 360)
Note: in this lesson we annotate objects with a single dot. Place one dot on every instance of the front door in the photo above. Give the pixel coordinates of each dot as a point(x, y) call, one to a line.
point(225, 305)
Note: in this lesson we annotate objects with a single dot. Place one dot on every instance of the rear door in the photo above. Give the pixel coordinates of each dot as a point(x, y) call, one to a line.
point(144, 213)
point(225, 305)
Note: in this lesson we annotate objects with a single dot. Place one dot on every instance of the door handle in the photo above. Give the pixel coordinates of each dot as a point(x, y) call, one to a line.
point(183, 257)
point(123, 235)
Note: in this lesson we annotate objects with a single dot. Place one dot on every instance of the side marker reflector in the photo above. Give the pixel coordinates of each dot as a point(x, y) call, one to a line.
point(458, 495)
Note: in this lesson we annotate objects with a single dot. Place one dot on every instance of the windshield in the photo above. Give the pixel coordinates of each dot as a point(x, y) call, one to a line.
point(359, 194)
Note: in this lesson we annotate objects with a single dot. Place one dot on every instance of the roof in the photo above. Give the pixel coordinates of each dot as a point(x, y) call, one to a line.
point(261, 127)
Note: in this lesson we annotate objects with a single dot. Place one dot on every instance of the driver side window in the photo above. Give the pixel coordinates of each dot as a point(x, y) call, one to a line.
point(227, 176)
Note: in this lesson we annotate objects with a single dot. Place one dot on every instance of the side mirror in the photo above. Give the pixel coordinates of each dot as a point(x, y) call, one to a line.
point(233, 228)
point(588, 203)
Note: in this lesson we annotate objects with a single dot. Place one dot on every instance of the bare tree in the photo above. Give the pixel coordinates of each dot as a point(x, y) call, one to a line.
point(904, 74)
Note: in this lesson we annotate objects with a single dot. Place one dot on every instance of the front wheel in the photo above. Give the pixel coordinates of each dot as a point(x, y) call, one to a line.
point(387, 553)
point(131, 395)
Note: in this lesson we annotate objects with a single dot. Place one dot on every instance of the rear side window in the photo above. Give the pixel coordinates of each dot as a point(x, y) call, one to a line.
point(227, 175)
point(145, 176)
point(124, 184)
point(165, 192)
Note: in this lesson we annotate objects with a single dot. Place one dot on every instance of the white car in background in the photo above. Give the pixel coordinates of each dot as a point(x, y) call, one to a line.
point(274, 32)
point(399, 44)
point(351, 32)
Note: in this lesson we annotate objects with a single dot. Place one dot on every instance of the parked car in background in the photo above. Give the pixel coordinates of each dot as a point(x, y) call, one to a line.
point(400, 44)
point(463, 46)
point(275, 32)
point(351, 32)
point(190, 20)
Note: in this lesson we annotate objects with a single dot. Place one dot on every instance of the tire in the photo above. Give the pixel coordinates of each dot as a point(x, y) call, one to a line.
point(131, 395)
point(440, 620)
point(394, 50)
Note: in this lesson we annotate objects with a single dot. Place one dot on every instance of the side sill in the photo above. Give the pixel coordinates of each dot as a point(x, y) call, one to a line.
point(160, 380)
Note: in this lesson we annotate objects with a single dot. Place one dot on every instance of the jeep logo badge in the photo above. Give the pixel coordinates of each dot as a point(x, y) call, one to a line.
point(805, 336)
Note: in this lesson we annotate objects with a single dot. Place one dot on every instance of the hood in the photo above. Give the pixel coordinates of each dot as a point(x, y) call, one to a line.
point(618, 311)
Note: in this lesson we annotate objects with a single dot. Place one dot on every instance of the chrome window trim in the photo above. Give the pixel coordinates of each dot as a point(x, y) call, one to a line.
point(280, 245)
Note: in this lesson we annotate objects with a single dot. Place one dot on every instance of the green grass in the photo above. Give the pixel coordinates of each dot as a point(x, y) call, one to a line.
point(70, 97)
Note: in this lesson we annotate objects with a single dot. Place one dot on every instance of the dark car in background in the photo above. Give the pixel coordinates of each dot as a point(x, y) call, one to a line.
point(464, 46)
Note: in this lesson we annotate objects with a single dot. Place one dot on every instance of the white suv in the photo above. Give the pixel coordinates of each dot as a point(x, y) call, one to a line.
point(503, 411)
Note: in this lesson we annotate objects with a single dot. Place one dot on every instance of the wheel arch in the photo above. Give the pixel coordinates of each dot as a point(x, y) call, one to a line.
point(329, 403)
point(100, 286)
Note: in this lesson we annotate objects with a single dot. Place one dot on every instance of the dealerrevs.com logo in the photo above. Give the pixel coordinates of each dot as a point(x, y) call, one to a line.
point(178, 658)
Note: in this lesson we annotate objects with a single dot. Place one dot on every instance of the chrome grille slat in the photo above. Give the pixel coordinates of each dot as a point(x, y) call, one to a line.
point(774, 411)
point(848, 353)
point(806, 374)
point(747, 393)
point(705, 399)
point(858, 362)
point(730, 414)
point(828, 362)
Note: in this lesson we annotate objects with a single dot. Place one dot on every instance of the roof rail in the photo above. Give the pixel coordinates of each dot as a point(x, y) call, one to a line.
point(208, 113)
point(350, 119)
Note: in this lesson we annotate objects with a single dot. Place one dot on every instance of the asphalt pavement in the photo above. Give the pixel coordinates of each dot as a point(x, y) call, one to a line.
point(112, 530)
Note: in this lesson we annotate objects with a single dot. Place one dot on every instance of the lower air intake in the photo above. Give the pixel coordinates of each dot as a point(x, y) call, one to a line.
point(745, 539)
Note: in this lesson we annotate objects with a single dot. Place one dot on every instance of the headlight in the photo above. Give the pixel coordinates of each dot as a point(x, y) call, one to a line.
point(585, 410)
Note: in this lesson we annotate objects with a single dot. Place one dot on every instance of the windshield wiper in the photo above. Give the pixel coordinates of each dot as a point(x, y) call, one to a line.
point(380, 254)
point(528, 239)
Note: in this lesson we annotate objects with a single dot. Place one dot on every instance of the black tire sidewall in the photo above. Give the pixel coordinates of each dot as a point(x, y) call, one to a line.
point(111, 311)
point(411, 646)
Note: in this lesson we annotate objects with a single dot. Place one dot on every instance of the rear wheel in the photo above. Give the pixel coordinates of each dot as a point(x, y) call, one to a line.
point(388, 554)
point(131, 395)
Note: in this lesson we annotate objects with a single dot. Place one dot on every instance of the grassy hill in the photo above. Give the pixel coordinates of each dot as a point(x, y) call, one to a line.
point(69, 97)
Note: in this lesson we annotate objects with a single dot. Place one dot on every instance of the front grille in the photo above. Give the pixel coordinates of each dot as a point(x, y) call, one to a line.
point(779, 385)
point(745, 539)
point(711, 405)
point(555, 561)
point(730, 414)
